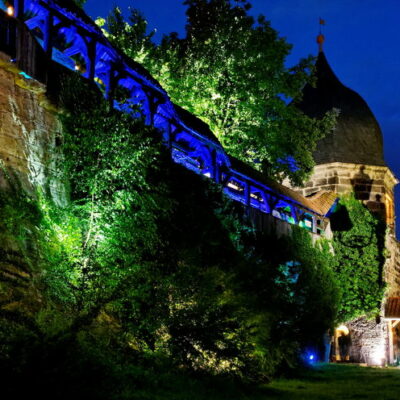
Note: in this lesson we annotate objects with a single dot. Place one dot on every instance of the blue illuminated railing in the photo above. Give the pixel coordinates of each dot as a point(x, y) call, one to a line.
point(71, 39)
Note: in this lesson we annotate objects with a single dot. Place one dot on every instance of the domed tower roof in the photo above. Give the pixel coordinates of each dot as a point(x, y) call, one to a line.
point(357, 137)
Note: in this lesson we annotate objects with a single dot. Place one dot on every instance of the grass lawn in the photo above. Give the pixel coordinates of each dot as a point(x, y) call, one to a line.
point(325, 381)
point(337, 382)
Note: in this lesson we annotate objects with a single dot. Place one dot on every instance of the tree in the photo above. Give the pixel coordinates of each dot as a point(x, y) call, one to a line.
point(229, 71)
point(290, 295)
point(102, 242)
point(131, 36)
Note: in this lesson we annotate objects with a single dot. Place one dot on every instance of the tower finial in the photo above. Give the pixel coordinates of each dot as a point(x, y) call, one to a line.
point(321, 37)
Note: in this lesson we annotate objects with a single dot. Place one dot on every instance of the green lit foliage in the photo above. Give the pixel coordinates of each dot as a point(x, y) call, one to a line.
point(18, 212)
point(139, 245)
point(160, 257)
point(103, 241)
point(131, 36)
point(151, 269)
point(358, 244)
point(289, 298)
point(229, 70)
point(234, 305)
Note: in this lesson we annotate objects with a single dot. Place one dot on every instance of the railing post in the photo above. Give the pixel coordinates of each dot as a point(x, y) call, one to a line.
point(216, 172)
point(48, 33)
point(314, 224)
point(152, 108)
point(294, 214)
point(247, 194)
point(111, 83)
point(153, 102)
point(91, 52)
point(391, 337)
point(19, 8)
point(169, 135)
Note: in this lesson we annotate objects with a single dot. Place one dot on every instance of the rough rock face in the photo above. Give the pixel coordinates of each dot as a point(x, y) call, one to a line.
point(29, 129)
point(28, 154)
point(368, 341)
point(391, 273)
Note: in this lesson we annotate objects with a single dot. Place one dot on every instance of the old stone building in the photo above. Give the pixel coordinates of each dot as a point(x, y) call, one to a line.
point(350, 160)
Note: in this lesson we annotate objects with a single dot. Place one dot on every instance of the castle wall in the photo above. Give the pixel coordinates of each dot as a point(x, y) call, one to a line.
point(373, 185)
point(391, 272)
point(29, 129)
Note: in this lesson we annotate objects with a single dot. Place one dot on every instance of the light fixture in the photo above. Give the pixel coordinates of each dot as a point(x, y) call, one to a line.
point(10, 11)
point(343, 328)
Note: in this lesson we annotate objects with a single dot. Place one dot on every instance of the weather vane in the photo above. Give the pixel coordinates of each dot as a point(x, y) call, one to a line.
point(321, 37)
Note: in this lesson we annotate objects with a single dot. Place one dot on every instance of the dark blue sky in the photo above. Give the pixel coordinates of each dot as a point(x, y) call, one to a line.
point(362, 46)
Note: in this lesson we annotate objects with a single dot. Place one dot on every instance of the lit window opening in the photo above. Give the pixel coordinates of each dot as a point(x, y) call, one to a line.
point(257, 196)
point(235, 185)
point(306, 222)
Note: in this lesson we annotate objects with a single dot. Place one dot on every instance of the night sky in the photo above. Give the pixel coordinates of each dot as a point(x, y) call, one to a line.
point(362, 46)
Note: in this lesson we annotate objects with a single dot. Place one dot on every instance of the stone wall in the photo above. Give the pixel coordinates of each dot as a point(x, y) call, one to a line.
point(391, 272)
point(373, 185)
point(29, 131)
point(368, 341)
point(29, 134)
point(370, 338)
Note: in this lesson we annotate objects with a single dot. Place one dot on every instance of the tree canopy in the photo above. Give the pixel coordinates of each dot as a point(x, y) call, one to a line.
point(230, 71)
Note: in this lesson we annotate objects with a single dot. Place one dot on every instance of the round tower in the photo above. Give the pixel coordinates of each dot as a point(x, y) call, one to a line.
point(350, 158)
